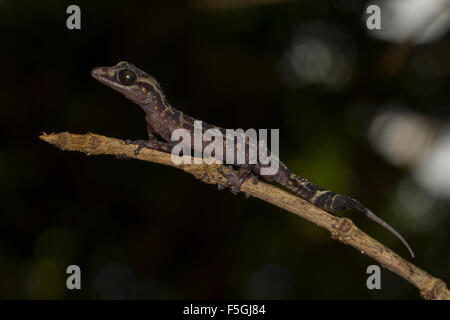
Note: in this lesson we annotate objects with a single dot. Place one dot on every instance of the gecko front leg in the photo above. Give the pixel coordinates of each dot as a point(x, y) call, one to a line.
point(152, 143)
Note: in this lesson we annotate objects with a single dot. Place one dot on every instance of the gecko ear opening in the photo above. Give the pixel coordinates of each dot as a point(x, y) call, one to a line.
point(126, 77)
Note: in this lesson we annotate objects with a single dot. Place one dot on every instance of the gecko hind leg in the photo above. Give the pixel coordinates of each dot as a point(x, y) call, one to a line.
point(236, 179)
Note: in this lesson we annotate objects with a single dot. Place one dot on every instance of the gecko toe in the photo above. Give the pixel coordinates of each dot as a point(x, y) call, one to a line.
point(136, 152)
point(234, 190)
point(222, 186)
point(122, 156)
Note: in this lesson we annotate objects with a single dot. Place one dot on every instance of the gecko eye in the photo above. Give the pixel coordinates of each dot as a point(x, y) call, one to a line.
point(126, 77)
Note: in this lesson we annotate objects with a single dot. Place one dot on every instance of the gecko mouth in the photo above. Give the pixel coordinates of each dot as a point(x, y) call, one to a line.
point(103, 76)
point(98, 74)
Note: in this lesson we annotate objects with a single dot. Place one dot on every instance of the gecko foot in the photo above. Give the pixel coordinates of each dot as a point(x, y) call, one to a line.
point(151, 144)
point(236, 179)
point(233, 180)
point(141, 143)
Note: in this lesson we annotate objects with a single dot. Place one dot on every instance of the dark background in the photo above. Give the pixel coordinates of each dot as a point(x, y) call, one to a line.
point(140, 230)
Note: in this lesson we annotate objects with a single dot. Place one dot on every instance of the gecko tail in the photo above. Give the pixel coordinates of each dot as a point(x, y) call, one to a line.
point(342, 202)
point(330, 201)
point(375, 218)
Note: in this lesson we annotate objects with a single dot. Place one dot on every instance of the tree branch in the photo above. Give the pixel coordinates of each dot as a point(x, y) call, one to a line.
point(341, 229)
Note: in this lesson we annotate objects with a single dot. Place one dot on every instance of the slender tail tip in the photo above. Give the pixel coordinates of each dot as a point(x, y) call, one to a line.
point(375, 218)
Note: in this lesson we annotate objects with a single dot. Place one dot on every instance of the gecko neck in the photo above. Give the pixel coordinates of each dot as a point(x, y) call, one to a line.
point(155, 102)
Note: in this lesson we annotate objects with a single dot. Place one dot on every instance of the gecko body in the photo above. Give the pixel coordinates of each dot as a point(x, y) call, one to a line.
point(162, 119)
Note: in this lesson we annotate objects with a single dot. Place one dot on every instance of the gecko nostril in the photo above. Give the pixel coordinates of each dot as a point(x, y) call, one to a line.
point(95, 72)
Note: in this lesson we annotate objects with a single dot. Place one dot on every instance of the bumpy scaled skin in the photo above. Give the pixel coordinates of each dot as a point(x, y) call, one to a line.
point(162, 119)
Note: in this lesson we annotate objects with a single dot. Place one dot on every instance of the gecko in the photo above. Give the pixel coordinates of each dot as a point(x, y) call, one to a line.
point(162, 119)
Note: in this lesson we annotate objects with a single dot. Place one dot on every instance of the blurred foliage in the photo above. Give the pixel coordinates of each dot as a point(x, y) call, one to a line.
point(139, 230)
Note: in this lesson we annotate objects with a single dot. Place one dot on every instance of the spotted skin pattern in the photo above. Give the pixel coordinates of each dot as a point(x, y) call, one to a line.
point(162, 119)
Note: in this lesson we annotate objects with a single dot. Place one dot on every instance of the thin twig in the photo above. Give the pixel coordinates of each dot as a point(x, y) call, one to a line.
point(341, 229)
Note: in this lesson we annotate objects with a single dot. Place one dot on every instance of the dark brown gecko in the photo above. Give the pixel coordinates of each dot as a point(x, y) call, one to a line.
point(162, 119)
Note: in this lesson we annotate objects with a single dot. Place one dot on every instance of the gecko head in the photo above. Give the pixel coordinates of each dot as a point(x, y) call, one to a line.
point(135, 84)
